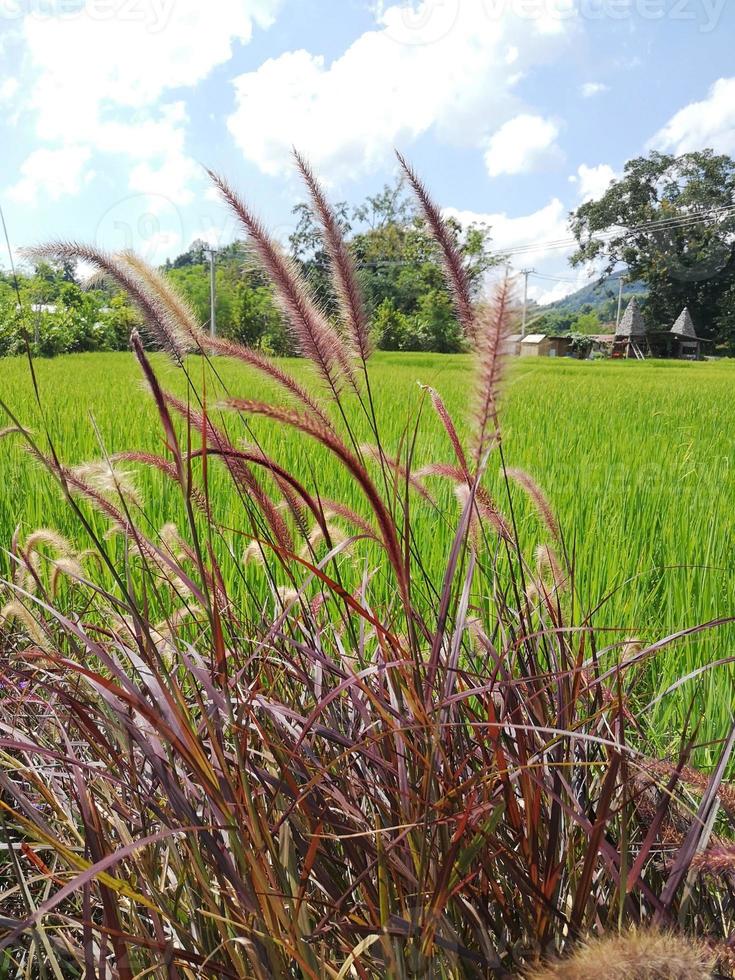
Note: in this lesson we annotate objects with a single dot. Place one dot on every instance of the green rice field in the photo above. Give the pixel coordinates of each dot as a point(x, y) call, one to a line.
point(637, 460)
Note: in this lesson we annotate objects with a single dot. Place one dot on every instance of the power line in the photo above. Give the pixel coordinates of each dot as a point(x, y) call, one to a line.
point(673, 223)
point(683, 221)
point(541, 275)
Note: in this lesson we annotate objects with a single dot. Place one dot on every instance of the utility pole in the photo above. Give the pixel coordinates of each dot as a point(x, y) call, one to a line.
point(212, 253)
point(620, 301)
point(526, 273)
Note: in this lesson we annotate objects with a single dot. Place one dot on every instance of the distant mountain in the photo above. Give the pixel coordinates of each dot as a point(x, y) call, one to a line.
point(598, 297)
point(591, 310)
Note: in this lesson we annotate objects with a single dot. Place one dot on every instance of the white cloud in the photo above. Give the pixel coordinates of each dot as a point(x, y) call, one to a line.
point(537, 232)
point(590, 89)
point(709, 123)
point(100, 75)
point(50, 174)
point(592, 182)
point(88, 63)
point(386, 90)
point(8, 89)
point(548, 224)
point(164, 170)
point(545, 291)
point(521, 145)
point(169, 178)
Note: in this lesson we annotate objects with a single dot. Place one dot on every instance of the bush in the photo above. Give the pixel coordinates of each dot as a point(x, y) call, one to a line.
point(433, 327)
point(77, 321)
point(10, 331)
point(258, 321)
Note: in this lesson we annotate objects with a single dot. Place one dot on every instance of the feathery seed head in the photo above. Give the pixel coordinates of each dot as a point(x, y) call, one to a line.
point(109, 481)
point(636, 955)
point(159, 319)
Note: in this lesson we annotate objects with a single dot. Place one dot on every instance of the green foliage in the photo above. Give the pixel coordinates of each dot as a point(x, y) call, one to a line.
point(432, 327)
point(258, 322)
point(57, 316)
point(245, 307)
point(399, 268)
point(563, 321)
point(690, 264)
point(394, 330)
point(587, 323)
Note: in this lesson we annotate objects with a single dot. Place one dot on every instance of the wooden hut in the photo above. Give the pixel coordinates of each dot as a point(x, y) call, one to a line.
point(631, 336)
point(560, 346)
point(543, 345)
point(535, 345)
point(512, 344)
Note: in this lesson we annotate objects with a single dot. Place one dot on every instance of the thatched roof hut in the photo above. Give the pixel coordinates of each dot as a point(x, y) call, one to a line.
point(632, 325)
point(684, 326)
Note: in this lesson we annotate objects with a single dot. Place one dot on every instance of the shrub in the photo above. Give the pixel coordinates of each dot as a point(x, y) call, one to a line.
point(345, 767)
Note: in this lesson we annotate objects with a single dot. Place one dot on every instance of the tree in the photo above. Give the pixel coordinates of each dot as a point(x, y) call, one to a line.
point(245, 307)
point(52, 312)
point(587, 323)
point(399, 267)
point(258, 321)
point(663, 219)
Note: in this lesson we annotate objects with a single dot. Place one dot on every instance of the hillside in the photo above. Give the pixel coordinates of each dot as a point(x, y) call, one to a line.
point(590, 310)
point(598, 297)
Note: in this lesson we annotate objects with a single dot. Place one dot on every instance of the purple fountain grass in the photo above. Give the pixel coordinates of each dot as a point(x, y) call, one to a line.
point(451, 431)
point(454, 267)
point(282, 746)
point(539, 499)
point(492, 328)
point(317, 338)
point(352, 305)
point(716, 860)
point(158, 287)
point(352, 464)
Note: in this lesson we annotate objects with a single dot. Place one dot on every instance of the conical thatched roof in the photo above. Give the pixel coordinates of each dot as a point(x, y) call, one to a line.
point(684, 326)
point(632, 324)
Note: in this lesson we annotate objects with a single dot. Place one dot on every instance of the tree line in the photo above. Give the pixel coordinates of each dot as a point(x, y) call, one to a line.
point(668, 222)
point(396, 257)
point(397, 261)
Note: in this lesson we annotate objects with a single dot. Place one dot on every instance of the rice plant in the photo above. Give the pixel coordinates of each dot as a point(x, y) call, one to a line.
point(271, 729)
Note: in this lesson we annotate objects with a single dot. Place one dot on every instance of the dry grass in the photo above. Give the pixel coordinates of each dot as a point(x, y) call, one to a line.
point(634, 956)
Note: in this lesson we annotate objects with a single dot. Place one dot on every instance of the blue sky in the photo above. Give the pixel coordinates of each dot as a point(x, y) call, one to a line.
point(513, 110)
